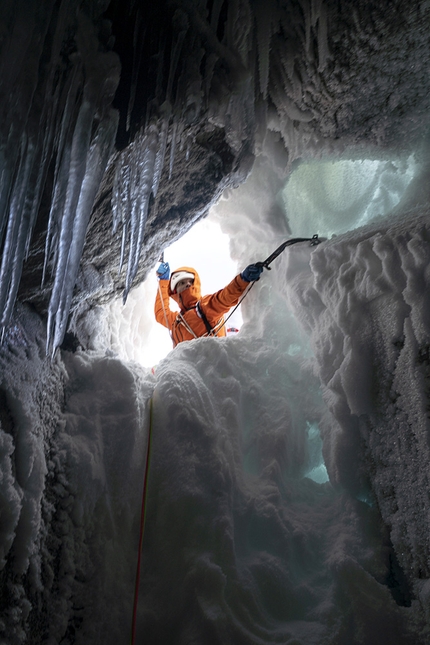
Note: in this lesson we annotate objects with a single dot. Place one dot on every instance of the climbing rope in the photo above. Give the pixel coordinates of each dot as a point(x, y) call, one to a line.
point(142, 525)
point(164, 309)
point(161, 259)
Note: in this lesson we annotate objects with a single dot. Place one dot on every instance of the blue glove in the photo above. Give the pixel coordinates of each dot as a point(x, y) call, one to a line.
point(163, 271)
point(252, 272)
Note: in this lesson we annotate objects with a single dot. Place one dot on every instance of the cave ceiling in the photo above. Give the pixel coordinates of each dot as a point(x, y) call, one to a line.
point(123, 121)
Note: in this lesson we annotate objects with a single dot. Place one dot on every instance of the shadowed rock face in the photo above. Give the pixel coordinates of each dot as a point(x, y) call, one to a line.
point(214, 86)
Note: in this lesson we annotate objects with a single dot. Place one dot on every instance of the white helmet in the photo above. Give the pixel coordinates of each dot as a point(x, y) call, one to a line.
point(177, 276)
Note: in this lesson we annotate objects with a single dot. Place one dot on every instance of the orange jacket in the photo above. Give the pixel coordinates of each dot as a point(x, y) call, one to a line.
point(187, 324)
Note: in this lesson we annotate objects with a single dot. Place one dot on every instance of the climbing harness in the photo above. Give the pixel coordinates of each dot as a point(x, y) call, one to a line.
point(210, 330)
point(202, 315)
point(183, 322)
point(180, 320)
point(142, 525)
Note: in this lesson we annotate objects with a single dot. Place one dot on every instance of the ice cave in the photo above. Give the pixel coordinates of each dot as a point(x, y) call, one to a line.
point(270, 487)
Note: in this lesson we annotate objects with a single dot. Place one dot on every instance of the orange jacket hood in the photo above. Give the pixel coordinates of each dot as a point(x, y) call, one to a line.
point(190, 297)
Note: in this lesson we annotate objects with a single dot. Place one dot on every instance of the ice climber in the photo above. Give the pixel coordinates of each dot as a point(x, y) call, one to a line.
point(198, 316)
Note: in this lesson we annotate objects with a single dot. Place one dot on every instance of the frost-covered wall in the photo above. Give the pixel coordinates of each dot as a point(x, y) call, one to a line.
point(72, 445)
point(370, 331)
point(246, 540)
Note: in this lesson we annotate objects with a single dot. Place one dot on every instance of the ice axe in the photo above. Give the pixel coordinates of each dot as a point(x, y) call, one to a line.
point(314, 240)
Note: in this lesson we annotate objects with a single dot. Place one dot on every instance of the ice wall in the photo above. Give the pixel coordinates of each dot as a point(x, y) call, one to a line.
point(72, 443)
point(370, 331)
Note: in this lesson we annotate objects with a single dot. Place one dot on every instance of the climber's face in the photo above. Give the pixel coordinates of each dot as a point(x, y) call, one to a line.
point(183, 284)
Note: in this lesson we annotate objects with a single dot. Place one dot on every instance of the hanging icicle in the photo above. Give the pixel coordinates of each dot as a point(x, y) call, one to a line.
point(264, 34)
point(141, 193)
point(88, 163)
point(135, 181)
point(13, 254)
point(166, 110)
point(138, 42)
point(323, 48)
point(51, 101)
point(173, 143)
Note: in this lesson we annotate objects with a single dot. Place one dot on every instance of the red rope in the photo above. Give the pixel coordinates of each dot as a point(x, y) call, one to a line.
point(142, 527)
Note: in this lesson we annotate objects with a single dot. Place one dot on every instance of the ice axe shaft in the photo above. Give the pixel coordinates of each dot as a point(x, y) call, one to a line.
point(314, 240)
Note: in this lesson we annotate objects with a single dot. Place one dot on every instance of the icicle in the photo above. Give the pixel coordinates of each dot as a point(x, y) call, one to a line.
point(14, 227)
point(71, 91)
point(240, 115)
point(181, 138)
point(10, 159)
point(16, 265)
point(173, 147)
point(142, 191)
point(323, 50)
point(180, 21)
point(166, 109)
point(116, 198)
point(160, 67)
point(264, 33)
point(216, 10)
point(80, 145)
point(138, 41)
point(211, 60)
point(315, 11)
point(5, 188)
point(45, 141)
point(56, 212)
point(96, 161)
point(50, 112)
point(121, 201)
point(307, 12)
point(238, 28)
point(62, 168)
point(123, 244)
point(137, 177)
point(121, 195)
